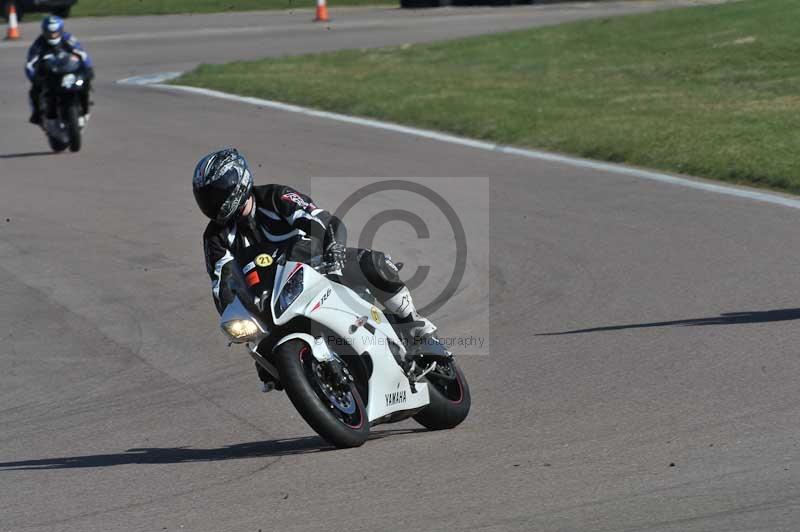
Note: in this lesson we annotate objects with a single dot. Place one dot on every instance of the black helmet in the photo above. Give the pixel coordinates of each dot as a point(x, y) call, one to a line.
point(222, 183)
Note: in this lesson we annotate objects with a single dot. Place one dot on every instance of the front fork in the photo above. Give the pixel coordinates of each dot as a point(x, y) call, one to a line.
point(319, 350)
point(264, 364)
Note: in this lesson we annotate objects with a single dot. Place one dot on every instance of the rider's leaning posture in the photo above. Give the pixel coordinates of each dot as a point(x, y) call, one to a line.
point(243, 214)
point(53, 40)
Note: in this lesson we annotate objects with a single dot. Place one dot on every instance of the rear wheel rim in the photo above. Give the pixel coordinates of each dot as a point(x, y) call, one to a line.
point(447, 381)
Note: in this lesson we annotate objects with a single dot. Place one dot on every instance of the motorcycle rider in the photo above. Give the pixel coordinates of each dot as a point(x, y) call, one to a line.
point(53, 40)
point(242, 214)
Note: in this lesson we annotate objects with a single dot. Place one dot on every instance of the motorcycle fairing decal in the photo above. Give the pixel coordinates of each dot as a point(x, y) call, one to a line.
point(389, 390)
point(264, 260)
point(322, 300)
point(249, 266)
point(394, 398)
point(252, 278)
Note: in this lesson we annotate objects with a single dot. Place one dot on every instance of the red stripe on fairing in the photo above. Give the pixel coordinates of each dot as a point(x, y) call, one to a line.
point(316, 306)
point(296, 267)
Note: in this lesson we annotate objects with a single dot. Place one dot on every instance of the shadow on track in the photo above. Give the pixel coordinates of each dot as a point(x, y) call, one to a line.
point(27, 154)
point(731, 318)
point(176, 455)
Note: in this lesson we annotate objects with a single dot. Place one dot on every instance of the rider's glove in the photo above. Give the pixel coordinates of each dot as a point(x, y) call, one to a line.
point(335, 255)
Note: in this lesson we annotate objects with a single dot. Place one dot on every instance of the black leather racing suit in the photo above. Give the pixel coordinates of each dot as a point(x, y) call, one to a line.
point(285, 218)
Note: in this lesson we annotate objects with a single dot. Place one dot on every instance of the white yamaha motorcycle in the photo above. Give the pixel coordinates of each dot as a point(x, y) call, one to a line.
point(340, 359)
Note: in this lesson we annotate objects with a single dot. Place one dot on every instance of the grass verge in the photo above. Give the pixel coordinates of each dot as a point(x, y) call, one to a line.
point(93, 8)
point(709, 91)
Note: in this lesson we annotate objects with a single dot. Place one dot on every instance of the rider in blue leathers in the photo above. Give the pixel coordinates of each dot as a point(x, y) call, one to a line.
point(52, 40)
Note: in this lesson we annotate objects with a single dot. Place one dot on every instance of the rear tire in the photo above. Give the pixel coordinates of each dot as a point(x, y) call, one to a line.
point(450, 400)
point(73, 128)
point(294, 359)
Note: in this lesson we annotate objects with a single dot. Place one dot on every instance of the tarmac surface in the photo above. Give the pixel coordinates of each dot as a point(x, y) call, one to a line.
point(641, 360)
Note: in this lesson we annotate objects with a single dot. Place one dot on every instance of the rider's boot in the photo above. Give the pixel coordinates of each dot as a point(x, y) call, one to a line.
point(83, 120)
point(33, 103)
point(415, 330)
point(402, 305)
point(268, 382)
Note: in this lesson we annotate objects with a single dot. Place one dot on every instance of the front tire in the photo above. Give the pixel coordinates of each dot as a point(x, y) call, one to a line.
point(450, 398)
point(73, 128)
point(56, 145)
point(296, 365)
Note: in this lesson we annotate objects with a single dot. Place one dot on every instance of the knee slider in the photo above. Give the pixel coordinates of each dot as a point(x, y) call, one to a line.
point(380, 271)
point(385, 266)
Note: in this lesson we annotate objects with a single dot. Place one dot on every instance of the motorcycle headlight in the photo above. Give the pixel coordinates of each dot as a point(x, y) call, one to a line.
point(79, 82)
point(291, 290)
point(68, 81)
point(240, 331)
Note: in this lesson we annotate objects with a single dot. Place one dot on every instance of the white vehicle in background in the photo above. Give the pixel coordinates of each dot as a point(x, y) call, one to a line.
point(340, 359)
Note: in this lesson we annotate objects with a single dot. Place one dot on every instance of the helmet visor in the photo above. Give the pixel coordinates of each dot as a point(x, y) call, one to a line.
point(52, 37)
point(234, 204)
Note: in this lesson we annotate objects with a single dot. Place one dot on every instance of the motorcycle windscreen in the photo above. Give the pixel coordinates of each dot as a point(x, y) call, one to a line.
point(63, 63)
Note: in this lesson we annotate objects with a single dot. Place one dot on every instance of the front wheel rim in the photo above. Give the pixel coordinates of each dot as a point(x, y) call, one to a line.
point(343, 405)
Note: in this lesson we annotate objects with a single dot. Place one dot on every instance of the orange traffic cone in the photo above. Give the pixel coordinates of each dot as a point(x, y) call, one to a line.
point(13, 24)
point(322, 11)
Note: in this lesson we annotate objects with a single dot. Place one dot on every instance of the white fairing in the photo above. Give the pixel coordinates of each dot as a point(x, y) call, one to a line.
point(319, 348)
point(338, 308)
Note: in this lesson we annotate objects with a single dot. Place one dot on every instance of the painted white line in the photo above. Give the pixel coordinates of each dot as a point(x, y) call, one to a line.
point(149, 79)
point(745, 193)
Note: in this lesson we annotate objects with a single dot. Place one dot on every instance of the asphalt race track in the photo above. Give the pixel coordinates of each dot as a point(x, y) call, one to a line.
point(643, 361)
